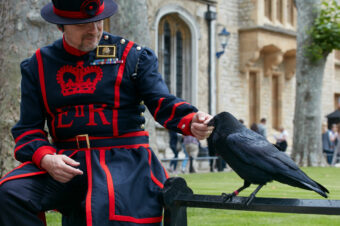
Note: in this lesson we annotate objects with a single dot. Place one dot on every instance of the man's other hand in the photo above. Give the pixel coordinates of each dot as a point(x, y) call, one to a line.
point(60, 167)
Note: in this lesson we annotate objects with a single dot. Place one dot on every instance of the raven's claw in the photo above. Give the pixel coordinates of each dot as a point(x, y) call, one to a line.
point(249, 200)
point(227, 197)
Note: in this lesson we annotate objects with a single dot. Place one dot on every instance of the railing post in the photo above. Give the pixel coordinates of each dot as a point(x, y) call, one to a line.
point(174, 213)
point(175, 216)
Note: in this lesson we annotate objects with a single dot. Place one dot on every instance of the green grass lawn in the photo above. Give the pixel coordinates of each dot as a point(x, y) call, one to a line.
point(216, 183)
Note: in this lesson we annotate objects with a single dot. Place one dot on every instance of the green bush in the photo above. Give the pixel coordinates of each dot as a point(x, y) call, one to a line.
point(325, 32)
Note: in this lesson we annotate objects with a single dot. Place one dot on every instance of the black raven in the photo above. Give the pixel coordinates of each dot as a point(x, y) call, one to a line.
point(254, 159)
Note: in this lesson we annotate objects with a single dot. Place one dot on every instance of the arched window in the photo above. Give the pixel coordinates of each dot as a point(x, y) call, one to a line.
point(268, 9)
point(174, 48)
point(279, 11)
point(291, 12)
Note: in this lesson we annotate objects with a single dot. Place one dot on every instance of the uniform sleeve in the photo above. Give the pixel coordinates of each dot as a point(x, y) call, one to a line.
point(31, 143)
point(171, 112)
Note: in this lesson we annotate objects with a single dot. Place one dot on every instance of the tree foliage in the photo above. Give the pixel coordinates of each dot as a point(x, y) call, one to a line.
point(325, 32)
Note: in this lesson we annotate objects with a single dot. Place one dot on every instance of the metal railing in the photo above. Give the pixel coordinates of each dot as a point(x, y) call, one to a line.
point(178, 196)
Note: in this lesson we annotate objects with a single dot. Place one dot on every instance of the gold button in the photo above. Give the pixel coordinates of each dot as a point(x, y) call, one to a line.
point(106, 37)
point(142, 126)
point(142, 114)
point(122, 41)
point(142, 102)
point(138, 48)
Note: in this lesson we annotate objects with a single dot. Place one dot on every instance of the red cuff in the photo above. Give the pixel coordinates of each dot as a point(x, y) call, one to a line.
point(184, 124)
point(41, 152)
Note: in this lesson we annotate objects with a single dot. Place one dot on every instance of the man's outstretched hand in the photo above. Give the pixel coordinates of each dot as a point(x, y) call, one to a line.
point(60, 167)
point(199, 127)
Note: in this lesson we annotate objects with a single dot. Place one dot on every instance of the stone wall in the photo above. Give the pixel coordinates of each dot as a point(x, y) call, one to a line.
point(231, 83)
point(24, 31)
point(21, 33)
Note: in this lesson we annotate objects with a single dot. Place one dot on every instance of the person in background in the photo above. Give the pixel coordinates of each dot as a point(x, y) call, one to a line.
point(185, 160)
point(191, 146)
point(254, 127)
point(173, 141)
point(336, 153)
point(262, 127)
point(281, 139)
point(329, 141)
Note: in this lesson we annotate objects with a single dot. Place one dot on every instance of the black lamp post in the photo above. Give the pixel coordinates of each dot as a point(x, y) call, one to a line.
point(223, 37)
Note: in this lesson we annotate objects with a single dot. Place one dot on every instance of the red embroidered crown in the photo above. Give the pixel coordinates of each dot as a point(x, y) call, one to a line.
point(78, 84)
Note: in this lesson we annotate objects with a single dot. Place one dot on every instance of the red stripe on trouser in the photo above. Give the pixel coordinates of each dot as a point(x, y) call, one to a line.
point(22, 176)
point(153, 178)
point(110, 186)
point(89, 189)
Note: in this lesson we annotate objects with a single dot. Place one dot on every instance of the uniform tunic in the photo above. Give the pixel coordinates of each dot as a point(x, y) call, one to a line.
point(94, 108)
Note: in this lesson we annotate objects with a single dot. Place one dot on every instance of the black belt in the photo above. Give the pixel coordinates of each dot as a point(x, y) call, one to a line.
point(84, 141)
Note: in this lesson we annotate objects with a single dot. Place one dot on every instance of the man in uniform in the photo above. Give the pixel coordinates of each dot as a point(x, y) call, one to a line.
point(91, 88)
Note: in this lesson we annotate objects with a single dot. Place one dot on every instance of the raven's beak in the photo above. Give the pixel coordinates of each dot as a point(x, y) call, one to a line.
point(211, 122)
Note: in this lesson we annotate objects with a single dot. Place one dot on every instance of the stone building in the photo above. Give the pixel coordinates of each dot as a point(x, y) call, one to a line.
point(252, 77)
point(255, 75)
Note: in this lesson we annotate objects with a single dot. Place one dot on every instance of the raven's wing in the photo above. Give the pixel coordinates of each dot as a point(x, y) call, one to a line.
point(255, 150)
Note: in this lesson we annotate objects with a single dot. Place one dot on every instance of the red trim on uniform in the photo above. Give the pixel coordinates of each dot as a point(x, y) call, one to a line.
point(43, 89)
point(153, 178)
point(29, 133)
point(42, 217)
point(63, 150)
point(117, 86)
point(41, 152)
point(89, 189)
point(173, 112)
point(131, 134)
point(149, 220)
point(76, 14)
point(18, 167)
point(71, 50)
point(166, 173)
point(156, 181)
point(184, 124)
point(110, 187)
point(115, 122)
point(21, 146)
point(135, 134)
point(158, 107)
point(22, 175)
point(127, 146)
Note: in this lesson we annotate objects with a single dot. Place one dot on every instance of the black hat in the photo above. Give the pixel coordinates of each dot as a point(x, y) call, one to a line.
point(78, 11)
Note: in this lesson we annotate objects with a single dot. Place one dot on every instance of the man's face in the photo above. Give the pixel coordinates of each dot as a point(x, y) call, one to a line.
point(84, 37)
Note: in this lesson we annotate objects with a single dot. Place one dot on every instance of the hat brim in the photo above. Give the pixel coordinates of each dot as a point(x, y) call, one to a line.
point(48, 14)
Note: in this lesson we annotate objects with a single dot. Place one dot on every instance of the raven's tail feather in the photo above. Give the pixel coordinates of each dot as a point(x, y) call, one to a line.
point(303, 181)
point(320, 190)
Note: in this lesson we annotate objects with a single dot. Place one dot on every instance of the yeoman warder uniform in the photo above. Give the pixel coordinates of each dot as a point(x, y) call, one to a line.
point(94, 106)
